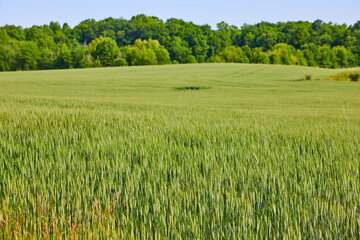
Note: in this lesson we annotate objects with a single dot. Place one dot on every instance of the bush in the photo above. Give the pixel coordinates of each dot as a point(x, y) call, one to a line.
point(308, 77)
point(354, 76)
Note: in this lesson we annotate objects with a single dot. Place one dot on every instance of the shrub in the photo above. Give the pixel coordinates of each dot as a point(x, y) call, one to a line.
point(354, 76)
point(308, 77)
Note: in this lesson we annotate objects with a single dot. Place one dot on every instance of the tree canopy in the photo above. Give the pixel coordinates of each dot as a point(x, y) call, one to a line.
point(145, 40)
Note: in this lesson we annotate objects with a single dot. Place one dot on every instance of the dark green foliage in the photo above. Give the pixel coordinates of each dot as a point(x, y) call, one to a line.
point(354, 77)
point(308, 77)
point(310, 52)
point(316, 44)
point(64, 59)
point(275, 59)
point(190, 59)
point(179, 50)
point(6, 58)
point(324, 58)
point(16, 33)
point(27, 56)
point(78, 56)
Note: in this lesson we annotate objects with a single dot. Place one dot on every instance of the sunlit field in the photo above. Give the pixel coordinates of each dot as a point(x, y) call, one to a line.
point(205, 151)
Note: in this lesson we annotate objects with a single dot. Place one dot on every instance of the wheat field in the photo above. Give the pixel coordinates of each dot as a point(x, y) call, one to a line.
point(205, 151)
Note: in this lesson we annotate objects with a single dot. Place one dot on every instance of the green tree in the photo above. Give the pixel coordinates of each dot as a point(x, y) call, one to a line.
point(299, 42)
point(93, 44)
point(162, 55)
point(178, 50)
point(258, 56)
point(106, 52)
point(46, 58)
point(85, 32)
point(4, 37)
point(274, 59)
point(64, 58)
point(300, 59)
point(285, 52)
point(16, 33)
point(78, 54)
point(27, 56)
point(310, 51)
point(342, 58)
point(234, 54)
point(267, 40)
point(247, 50)
point(324, 57)
point(147, 52)
point(6, 58)
point(48, 51)
point(223, 34)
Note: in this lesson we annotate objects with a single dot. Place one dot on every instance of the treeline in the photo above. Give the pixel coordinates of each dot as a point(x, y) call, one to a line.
point(145, 40)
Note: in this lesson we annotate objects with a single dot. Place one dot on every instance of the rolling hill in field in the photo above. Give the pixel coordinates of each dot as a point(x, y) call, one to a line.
point(222, 86)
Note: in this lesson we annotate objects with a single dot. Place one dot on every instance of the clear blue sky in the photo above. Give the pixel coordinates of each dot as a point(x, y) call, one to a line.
point(37, 12)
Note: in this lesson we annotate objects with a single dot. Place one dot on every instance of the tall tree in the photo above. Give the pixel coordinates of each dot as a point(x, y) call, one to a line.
point(106, 52)
point(27, 56)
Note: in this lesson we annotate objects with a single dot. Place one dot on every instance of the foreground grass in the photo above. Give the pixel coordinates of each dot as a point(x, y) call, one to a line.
point(122, 153)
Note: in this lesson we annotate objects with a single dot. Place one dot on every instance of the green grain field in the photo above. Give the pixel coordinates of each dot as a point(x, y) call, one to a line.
point(205, 151)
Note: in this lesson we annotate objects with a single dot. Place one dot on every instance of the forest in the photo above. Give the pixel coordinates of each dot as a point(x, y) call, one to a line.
point(147, 40)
